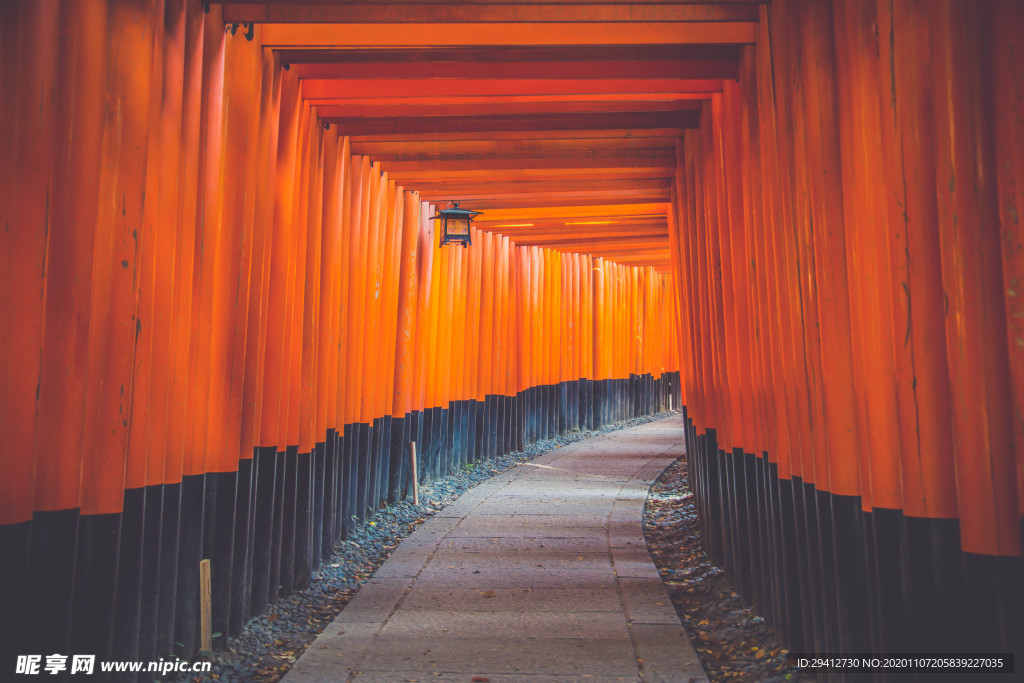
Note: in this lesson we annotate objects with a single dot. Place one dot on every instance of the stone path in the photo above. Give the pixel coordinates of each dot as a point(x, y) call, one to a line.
point(539, 574)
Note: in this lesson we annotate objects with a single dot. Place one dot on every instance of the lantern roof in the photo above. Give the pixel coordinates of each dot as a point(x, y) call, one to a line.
point(456, 212)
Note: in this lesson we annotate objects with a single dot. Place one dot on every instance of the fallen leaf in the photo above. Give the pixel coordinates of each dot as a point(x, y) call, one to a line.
point(488, 594)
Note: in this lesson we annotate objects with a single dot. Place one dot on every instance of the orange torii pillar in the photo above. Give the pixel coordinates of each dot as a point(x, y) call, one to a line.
point(846, 257)
point(224, 338)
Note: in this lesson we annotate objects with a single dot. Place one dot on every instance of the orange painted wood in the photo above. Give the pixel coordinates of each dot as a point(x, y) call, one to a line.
point(359, 266)
point(277, 320)
point(327, 342)
point(482, 12)
point(976, 340)
point(1003, 22)
point(815, 467)
point(444, 360)
point(340, 306)
point(367, 341)
point(205, 275)
point(679, 114)
point(487, 306)
point(425, 247)
point(403, 400)
point(433, 347)
point(244, 82)
point(647, 108)
point(354, 89)
point(606, 62)
point(822, 163)
point(113, 329)
point(859, 91)
point(220, 249)
point(179, 427)
point(72, 195)
point(555, 33)
point(259, 295)
point(310, 433)
point(352, 172)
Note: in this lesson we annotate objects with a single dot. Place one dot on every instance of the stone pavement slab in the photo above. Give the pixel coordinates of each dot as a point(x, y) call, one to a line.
point(539, 574)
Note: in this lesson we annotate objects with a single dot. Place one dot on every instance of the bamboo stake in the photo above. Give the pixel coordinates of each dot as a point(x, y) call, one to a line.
point(205, 623)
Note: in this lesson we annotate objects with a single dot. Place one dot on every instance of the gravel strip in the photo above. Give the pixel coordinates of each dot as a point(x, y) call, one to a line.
point(733, 642)
point(271, 642)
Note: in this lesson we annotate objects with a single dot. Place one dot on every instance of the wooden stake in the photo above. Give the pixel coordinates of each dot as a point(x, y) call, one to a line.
point(415, 474)
point(205, 622)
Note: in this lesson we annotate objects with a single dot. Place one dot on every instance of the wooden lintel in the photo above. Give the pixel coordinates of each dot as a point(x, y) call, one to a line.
point(349, 89)
point(496, 107)
point(418, 12)
point(717, 67)
point(371, 35)
point(685, 117)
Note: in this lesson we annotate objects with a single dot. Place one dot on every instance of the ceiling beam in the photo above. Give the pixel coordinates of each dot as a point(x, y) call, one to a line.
point(607, 164)
point(567, 154)
point(419, 12)
point(360, 35)
point(588, 213)
point(412, 178)
point(725, 67)
point(346, 89)
point(441, 185)
point(500, 203)
point(507, 59)
point(685, 117)
point(582, 236)
point(537, 105)
point(597, 244)
point(503, 135)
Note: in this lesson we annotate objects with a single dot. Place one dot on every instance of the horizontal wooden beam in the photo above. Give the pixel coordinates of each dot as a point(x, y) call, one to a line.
point(685, 117)
point(458, 187)
point(536, 105)
point(597, 245)
point(567, 155)
point(360, 35)
point(581, 237)
point(624, 229)
point(433, 59)
point(585, 212)
point(641, 258)
point(606, 164)
point(349, 89)
point(411, 177)
point(571, 233)
point(500, 203)
point(505, 135)
point(717, 68)
point(419, 12)
point(564, 196)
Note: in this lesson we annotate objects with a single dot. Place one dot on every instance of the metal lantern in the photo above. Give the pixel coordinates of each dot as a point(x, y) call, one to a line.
point(455, 224)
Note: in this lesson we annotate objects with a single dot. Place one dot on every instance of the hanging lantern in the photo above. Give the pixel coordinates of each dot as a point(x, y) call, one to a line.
point(455, 224)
